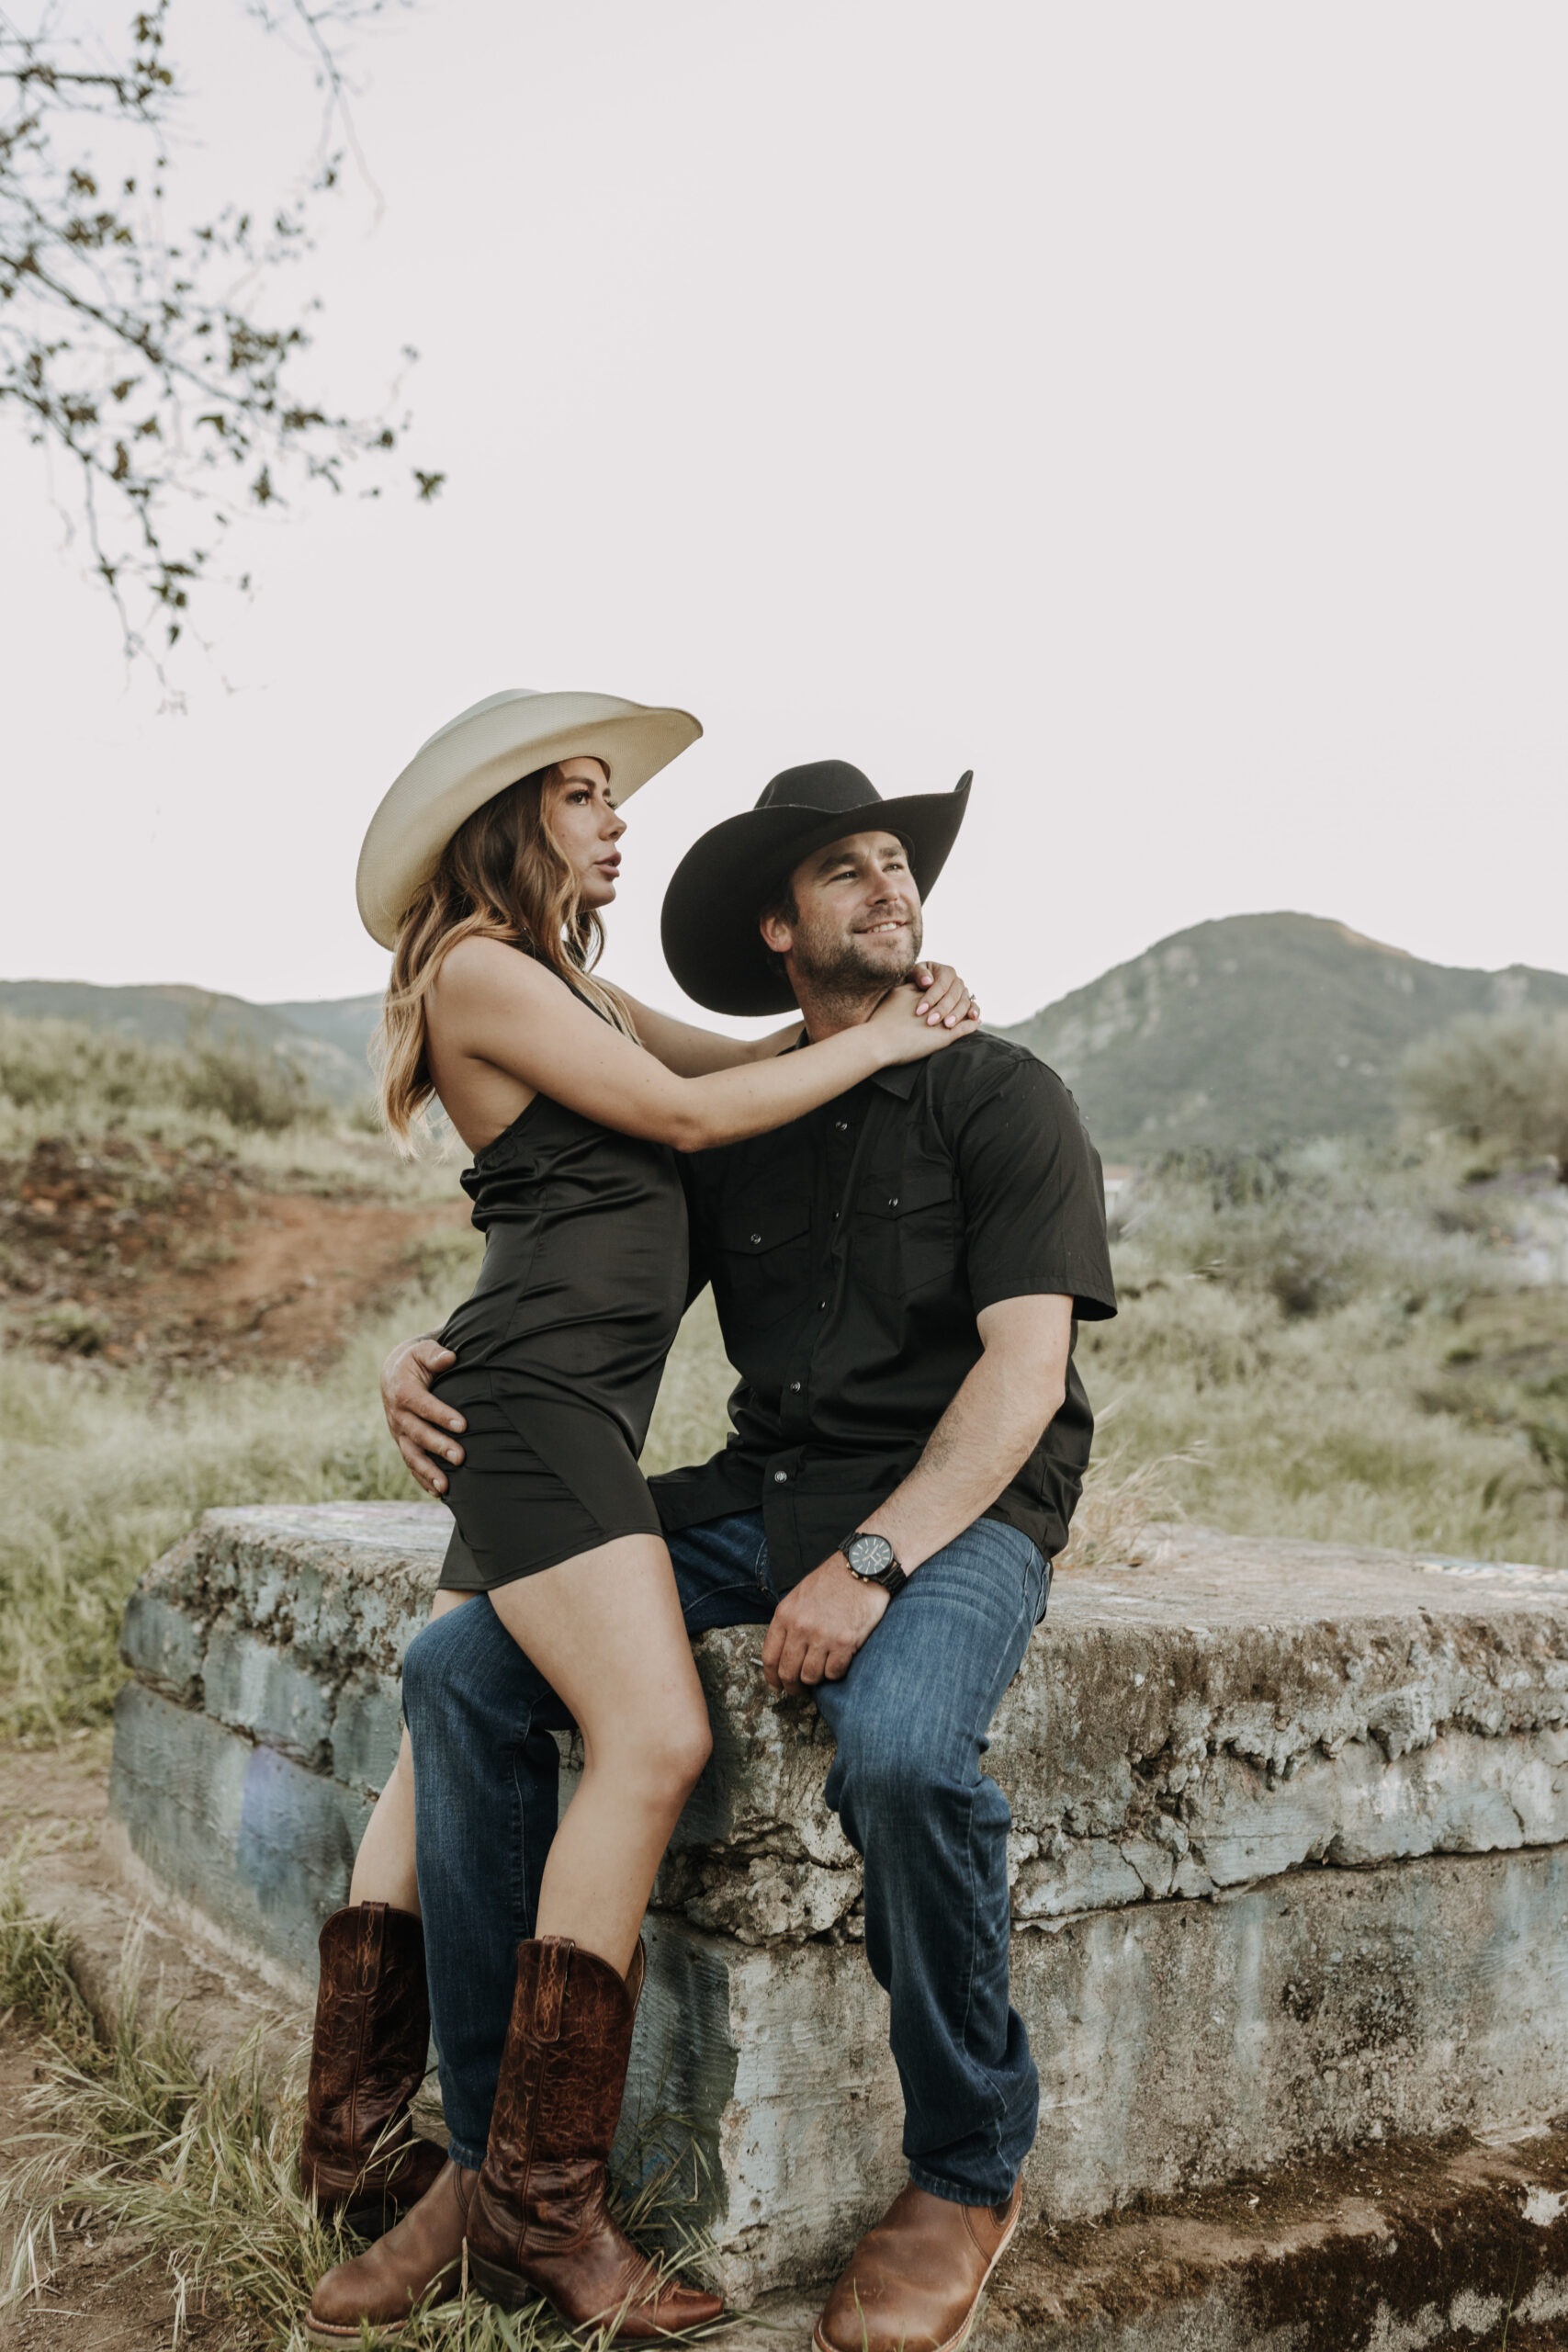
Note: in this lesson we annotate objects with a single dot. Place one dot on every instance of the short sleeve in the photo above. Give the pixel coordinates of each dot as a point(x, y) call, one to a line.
point(1032, 1191)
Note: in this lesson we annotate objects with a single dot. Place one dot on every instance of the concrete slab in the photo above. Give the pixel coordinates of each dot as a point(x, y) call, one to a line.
point(1405, 2248)
point(1291, 1830)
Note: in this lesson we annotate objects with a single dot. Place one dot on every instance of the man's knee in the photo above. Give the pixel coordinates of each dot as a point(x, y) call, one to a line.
point(426, 1667)
point(886, 1770)
point(459, 1652)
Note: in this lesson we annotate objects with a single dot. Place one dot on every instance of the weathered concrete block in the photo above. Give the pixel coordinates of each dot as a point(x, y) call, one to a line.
point(1290, 1835)
point(365, 1731)
point(265, 1693)
point(1326, 1705)
point(164, 1645)
point(244, 1834)
point(1178, 2043)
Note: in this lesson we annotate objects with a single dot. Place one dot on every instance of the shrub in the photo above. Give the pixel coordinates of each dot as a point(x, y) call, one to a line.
point(1311, 1228)
point(92, 1078)
point(260, 1092)
point(65, 1065)
point(1499, 1079)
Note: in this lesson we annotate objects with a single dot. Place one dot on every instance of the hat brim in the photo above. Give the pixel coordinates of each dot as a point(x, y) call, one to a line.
point(712, 944)
point(481, 751)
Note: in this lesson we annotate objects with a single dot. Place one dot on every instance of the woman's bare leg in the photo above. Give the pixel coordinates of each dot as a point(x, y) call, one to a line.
point(605, 1631)
point(384, 1866)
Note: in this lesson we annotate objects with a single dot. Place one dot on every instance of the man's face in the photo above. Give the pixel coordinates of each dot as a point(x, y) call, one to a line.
point(857, 914)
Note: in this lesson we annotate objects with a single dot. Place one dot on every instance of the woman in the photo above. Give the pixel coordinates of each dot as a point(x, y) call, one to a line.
point(574, 1100)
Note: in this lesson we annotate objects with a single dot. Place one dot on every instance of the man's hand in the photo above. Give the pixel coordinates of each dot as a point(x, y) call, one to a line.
point(818, 1626)
point(421, 1423)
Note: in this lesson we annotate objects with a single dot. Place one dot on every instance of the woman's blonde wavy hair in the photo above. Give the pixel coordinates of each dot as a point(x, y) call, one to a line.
point(501, 875)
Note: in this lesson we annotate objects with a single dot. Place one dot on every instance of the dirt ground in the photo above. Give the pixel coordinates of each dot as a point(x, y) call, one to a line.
point(183, 1261)
point(96, 2301)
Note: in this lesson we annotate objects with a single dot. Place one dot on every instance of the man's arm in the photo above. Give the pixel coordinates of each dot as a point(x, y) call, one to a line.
point(983, 1439)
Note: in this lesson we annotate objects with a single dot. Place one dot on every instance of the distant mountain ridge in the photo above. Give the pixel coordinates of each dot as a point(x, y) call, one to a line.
point(1254, 1029)
point(327, 1040)
point(1257, 1029)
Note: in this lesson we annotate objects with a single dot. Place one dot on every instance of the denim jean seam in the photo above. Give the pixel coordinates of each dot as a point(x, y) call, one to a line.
point(999, 2119)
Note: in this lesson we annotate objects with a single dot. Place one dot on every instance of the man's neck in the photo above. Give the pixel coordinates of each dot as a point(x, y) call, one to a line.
point(827, 1010)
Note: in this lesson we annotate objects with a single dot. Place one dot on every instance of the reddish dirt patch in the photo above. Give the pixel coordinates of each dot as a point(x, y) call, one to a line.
point(135, 1255)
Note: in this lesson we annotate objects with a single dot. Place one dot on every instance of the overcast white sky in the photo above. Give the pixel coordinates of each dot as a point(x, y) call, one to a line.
point(1161, 411)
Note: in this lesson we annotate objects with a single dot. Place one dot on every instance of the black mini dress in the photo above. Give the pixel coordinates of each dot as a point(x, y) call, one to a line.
point(561, 1343)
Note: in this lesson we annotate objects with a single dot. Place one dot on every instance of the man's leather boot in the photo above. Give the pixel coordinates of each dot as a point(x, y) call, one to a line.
point(916, 2279)
point(360, 2156)
point(382, 2287)
point(538, 2224)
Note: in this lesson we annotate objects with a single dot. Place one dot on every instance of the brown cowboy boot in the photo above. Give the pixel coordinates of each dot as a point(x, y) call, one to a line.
point(914, 2282)
point(382, 2287)
point(538, 2224)
point(360, 2156)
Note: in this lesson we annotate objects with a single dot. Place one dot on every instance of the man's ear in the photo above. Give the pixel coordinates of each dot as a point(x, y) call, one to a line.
point(777, 936)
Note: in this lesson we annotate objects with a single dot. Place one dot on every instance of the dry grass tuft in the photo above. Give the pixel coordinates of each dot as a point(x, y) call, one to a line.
point(194, 2176)
point(1122, 1509)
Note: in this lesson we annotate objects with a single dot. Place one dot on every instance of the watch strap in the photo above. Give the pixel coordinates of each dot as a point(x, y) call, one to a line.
point(892, 1578)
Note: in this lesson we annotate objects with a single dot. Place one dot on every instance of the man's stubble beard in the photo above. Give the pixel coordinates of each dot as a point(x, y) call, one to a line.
point(841, 970)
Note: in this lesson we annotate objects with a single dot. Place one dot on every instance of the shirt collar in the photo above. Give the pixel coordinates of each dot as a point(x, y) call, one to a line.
point(898, 1078)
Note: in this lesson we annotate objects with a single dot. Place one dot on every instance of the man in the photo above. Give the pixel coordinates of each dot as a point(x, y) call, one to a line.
point(898, 1278)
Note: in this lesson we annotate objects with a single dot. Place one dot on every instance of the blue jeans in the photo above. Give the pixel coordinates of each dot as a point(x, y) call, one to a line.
point(910, 1720)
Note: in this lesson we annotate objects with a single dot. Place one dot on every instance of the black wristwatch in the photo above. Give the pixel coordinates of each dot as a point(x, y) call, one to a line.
point(874, 1560)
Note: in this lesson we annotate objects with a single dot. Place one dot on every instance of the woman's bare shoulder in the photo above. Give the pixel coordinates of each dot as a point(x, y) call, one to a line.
point(481, 967)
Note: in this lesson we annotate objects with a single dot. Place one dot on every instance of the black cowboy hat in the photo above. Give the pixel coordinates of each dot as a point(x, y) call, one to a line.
point(711, 941)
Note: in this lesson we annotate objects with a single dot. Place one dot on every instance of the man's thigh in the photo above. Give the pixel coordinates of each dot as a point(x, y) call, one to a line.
point(721, 1572)
point(931, 1677)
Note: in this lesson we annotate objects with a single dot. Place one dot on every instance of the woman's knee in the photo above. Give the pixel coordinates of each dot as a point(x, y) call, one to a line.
point(664, 1756)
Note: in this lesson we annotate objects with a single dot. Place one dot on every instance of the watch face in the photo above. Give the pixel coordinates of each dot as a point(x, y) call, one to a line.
point(869, 1556)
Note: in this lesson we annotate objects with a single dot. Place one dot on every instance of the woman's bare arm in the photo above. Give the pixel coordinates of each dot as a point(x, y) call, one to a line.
point(692, 1052)
point(493, 1010)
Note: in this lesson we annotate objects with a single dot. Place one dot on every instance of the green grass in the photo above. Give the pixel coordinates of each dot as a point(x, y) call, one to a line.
point(103, 1472)
point(1332, 1342)
point(195, 2173)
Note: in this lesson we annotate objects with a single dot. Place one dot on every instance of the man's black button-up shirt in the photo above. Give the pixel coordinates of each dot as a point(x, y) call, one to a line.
point(850, 1254)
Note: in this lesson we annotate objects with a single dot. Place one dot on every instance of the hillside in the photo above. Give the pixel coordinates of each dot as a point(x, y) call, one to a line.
point(326, 1040)
point(1257, 1029)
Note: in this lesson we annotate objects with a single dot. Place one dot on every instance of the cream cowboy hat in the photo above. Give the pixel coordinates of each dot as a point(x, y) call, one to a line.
point(478, 754)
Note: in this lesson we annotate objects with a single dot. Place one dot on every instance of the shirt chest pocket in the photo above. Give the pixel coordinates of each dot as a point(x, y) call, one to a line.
point(905, 1230)
point(764, 1257)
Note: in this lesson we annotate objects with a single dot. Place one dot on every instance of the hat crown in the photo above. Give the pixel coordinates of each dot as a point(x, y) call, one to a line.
point(830, 787)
